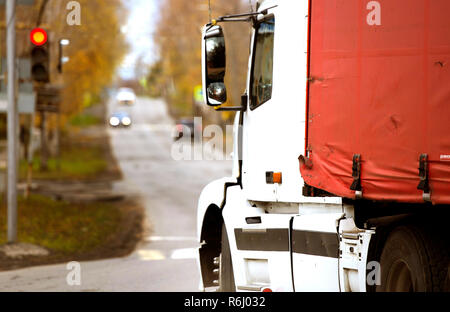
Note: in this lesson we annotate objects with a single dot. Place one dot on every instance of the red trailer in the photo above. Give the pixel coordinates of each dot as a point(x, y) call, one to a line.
point(378, 119)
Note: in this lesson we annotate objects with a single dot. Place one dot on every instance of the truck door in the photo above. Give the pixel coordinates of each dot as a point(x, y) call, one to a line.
point(273, 138)
point(261, 255)
point(274, 123)
point(259, 136)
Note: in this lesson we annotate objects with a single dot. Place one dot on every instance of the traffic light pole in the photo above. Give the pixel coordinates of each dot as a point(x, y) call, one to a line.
point(12, 120)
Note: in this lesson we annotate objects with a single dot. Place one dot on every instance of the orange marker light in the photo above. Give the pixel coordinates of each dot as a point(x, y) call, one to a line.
point(38, 36)
point(274, 177)
point(277, 178)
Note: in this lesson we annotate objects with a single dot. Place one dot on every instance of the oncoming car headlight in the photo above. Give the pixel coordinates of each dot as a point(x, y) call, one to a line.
point(114, 121)
point(126, 121)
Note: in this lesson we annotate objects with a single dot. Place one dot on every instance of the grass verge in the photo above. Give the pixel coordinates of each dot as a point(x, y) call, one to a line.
point(76, 162)
point(64, 228)
point(73, 232)
point(85, 120)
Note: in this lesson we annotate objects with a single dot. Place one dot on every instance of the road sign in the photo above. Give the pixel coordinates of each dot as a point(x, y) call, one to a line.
point(27, 98)
point(24, 71)
point(26, 103)
point(48, 99)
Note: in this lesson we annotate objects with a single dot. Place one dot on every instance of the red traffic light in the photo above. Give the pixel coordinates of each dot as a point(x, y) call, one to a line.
point(38, 36)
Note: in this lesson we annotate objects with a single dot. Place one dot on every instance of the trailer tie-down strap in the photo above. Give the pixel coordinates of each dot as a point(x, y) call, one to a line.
point(356, 168)
point(424, 184)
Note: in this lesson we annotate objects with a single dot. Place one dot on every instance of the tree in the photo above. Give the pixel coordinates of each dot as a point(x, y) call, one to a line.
point(96, 48)
point(178, 37)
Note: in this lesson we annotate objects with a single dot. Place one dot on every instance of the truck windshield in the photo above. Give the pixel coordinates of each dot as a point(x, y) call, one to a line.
point(262, 74)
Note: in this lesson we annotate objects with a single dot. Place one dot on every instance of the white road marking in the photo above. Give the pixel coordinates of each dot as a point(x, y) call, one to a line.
point(150, 255)
point(185, 253)
point(171, 239)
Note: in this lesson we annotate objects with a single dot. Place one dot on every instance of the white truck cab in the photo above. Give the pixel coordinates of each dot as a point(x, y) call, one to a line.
point(257, 230)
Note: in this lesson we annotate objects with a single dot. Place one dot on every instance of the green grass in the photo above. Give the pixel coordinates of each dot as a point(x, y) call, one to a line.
point(77, 162)
point(83, 120)
point(62, 227)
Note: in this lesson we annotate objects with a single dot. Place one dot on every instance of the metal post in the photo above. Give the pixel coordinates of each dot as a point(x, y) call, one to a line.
point(30, 158)
point(44, 146)
point(12, 120)
point(58, 142)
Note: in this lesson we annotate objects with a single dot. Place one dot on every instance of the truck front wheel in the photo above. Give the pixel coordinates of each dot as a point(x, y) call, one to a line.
point(226, 274)
point(413, 261)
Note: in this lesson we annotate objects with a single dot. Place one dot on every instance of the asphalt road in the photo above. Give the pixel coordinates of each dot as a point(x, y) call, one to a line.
point(168, 189)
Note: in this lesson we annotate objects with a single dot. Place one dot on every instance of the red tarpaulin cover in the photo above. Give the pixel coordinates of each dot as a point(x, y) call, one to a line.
point(379, 87)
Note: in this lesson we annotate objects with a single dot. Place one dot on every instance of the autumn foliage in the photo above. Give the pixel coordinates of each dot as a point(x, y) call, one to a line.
point(96, 48)
point(178, 37)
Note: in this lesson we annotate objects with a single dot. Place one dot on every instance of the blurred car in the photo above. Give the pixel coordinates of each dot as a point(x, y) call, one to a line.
point(186, 126)
point(120, 119)
point(126, 96)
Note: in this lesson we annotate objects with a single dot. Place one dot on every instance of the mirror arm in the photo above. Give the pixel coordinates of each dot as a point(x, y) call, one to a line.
point(245, 17)
point(230, 109)
point(229, 20)
point(241, 108)
point(223, 19)
point(251, 14)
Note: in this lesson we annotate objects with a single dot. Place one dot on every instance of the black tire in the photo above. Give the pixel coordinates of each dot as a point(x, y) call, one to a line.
point(414, 260)
point(226, 275)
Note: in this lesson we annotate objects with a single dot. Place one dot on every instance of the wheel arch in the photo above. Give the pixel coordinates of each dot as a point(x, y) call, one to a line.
point(211, 235)
point(209, 229)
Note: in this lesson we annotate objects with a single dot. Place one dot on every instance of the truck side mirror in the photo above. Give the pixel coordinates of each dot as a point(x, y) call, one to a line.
point(214, 65)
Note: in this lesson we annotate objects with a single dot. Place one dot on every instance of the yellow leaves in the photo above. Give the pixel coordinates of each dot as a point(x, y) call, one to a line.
point(96, 47)
point(179, 40)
